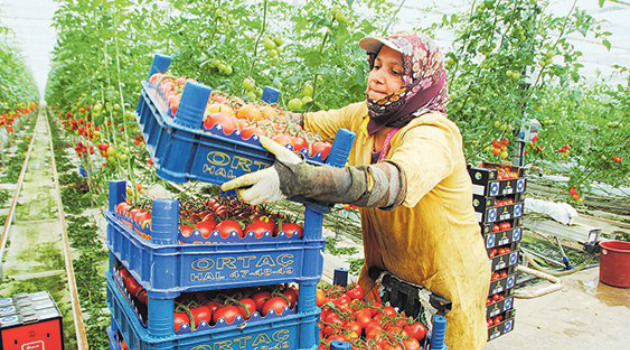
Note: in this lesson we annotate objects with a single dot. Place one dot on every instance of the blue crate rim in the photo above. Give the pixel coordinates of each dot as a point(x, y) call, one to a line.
point(214, 248)
point(165, 118)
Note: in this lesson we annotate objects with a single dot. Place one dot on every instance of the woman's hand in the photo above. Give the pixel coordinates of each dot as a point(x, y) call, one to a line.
point(265, 184)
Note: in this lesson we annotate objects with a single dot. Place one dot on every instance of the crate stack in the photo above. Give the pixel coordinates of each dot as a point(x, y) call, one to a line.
point(498, 199)
point(166, 268)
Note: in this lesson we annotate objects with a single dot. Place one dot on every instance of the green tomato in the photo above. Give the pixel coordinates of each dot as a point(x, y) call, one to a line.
point(248, 84)
point(228, 70)
point(98, 108)
point(272, 53)
point(251, 95)
point(279, 41)
point(117, 107)
point(295, 104)
point(269, 44)
point(308, 89)
point(503, 155)
point(306, 99)
point(497, 124)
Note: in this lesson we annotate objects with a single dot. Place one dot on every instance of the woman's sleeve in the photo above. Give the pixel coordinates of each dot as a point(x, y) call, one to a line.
point(426, 156)
point(327, 123)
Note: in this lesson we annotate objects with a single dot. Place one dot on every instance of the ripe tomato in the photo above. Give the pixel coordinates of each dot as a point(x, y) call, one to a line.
point(259, 229)
point(416, 330)
point(291, 229)
point(229, 313)
point(283, 139)
point(180, 319)
point(247, 306)
point(260, 298)
point(292, 294)
point(226, 121)
point(277, 304)
point(212, 305)
point(356, 293)
point(299, 143)
point(320, 147)
point(496, 228)
point(185, 230)
point(229, 227)
point(206, 226)
point(200, 313)
point(411, 344)
point(320, 298)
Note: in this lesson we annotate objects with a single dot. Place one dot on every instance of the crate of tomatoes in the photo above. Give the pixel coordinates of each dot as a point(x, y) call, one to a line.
point(194, 134)
point(172, 247)
point(502, 233)
point(244, 318)
point(491, 180)
point(348, 316)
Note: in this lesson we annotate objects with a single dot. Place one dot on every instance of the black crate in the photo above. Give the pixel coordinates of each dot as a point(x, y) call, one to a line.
point(505, 283)
point(503, 238)
point(499, 307)
point(488, 182)
point(488, 227)
point(504, 327)
point(483, 203)
point(494, 214)
point(501, 262)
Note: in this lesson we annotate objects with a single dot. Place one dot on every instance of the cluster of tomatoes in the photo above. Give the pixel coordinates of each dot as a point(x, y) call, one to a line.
point(7, 120)
point(201, 310)
point(228, 115)
point(367, 324)
point(501, 226)
point(495, 298)
point(503, 202)
point(565, 150)
point(499, 147)
point(497, 275)
point(507, 173)
point(213, 219)
point(499, 251)
point(81, 127)
point(83, 149)
point(575, 195)
point(494, 321)
point(617, 159)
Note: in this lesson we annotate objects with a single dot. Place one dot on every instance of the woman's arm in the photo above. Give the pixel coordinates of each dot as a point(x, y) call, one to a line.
point(327, 123)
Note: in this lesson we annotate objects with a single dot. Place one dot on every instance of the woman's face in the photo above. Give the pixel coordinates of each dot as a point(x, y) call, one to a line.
point(387, 75)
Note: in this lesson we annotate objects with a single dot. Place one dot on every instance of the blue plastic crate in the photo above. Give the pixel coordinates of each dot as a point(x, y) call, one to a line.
point(182, 151)
point(114, 342)
point(166, 268)
point(299, 331)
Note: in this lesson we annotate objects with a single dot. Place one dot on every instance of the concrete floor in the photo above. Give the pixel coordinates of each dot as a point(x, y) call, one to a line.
point(584, 315)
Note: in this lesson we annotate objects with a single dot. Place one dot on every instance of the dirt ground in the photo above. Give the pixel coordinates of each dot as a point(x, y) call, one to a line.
point(586, 314)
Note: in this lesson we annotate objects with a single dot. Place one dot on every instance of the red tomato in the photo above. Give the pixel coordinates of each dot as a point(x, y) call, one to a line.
point(356, 293)
point(247, 306)
point(229, 313)
point(416, 330)
point(260, 298)
point(320, 298)
point(259, 228)
point(496, 228)
point(291, 229)
point(206, 226)
point(229, 227)
point(201, 313)
point(180, 319)
point(292, 294)
point(226, 121)
point(277, 304)
point(323, 147)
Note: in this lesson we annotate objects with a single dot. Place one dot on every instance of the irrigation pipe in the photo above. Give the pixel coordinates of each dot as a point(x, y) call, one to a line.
point(556, 284)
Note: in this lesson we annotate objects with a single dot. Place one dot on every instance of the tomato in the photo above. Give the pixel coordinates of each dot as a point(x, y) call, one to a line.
point(185, 230)
point(122, 208)
point(292, 294)
point(493, 253)
point(227, 123)
point(363, 319)
point(342, 300)
point(250, 131)
point(206, 226)
point(260, 298)
point(320, 147)
point(180, 319)
point(199, 314)
point(229, 227)
point(503, 274)
point(356, 293)
point(495, 297)
point(277, 304)
point(291, 229)
point(228, 313)
point(389, 311)
point(212, 305)
point(320, 298)
point(489, 322)
point(496, 228)
point(259, 229)
point(124, 345)
point(283, 139)
point(249, 112)
point(299, 143)
point(247, 306)
point(411, 344)
point(416, 330)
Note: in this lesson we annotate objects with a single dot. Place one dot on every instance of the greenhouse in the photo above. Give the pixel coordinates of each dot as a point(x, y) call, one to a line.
point(291, 174)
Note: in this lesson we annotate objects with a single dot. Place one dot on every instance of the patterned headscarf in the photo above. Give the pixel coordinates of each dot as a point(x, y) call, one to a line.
point(425, 86)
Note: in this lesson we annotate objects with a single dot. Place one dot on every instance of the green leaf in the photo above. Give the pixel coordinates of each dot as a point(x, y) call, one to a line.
point(606, 43)
point(601, 3)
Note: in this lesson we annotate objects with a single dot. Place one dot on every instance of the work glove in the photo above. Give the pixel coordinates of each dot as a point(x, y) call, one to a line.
point(380, 185)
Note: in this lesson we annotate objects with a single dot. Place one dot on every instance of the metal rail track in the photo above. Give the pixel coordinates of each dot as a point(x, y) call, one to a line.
point(16, 195)
point(82, 343)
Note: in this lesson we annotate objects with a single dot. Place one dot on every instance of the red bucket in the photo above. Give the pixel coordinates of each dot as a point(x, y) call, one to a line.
point(614, 265)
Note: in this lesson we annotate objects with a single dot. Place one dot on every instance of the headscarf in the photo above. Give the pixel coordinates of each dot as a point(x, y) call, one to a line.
point(424, 79)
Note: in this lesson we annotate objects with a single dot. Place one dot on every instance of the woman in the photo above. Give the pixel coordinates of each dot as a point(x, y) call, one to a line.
point(407, 173)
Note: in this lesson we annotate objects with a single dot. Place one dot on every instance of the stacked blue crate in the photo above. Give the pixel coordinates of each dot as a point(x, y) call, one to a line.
point(165, 268)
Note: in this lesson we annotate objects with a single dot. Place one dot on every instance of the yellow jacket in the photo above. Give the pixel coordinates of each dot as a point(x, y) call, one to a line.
point(433, 239)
